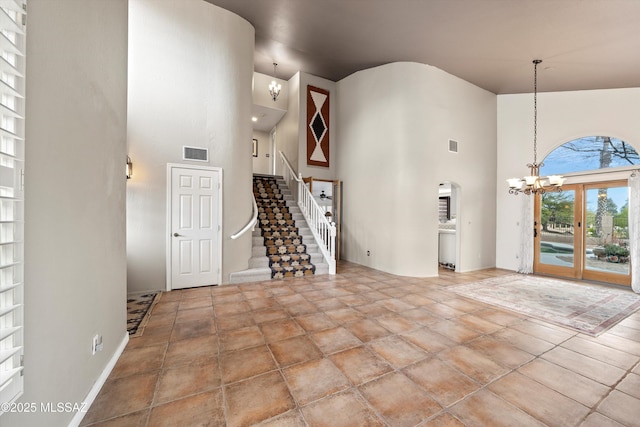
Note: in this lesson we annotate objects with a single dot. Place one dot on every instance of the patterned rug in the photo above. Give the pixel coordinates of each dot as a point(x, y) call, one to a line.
point(285, 249)
point(138, 310)
point(586, 308)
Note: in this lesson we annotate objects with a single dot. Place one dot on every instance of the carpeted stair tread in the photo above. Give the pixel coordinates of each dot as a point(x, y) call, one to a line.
point(284, 245)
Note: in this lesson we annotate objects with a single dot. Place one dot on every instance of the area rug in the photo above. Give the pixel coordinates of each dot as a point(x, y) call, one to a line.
point(138, 311)
point(586, 308)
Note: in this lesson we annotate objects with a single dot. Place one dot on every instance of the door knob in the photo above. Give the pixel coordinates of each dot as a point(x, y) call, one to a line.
point(177, 235)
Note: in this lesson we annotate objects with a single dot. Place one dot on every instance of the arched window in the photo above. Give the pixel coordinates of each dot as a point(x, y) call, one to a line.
point(589, 153)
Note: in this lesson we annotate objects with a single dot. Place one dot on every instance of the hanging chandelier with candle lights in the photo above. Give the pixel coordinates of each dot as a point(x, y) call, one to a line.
point(534, 183)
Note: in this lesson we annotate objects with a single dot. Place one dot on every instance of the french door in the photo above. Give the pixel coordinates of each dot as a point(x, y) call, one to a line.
point(582, 232)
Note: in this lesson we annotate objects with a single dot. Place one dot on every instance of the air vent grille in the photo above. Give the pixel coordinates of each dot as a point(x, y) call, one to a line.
point(194, 153)
point(453, 146)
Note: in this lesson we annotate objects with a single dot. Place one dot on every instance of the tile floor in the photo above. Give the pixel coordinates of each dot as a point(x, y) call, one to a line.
point(365, 348)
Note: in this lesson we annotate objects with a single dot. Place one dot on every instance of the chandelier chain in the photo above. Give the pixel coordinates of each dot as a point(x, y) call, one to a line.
point(535, 111)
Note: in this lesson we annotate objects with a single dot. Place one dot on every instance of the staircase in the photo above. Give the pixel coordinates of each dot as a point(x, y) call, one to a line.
point(283, 245)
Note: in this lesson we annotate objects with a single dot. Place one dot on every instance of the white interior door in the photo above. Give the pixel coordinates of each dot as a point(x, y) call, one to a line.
point(194, 227)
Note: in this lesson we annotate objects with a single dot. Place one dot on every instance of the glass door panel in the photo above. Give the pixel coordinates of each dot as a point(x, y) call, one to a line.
point(556, 233)
point(583, 233)
point(606, 232)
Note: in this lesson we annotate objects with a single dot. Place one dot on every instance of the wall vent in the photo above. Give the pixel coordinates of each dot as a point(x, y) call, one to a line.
point(194, 153)
point(453, 146)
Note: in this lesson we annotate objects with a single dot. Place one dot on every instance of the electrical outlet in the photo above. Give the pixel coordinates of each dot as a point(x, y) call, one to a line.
point(96, 344)
point(368, 253)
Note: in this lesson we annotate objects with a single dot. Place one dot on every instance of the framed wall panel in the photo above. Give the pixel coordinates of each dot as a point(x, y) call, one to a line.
point(317, 127)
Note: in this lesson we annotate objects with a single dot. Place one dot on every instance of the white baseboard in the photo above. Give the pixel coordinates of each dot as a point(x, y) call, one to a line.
point(97, 386)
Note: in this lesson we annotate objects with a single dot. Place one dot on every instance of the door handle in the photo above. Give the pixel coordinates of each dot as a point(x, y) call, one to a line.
point(177, 235)
point(535, 229)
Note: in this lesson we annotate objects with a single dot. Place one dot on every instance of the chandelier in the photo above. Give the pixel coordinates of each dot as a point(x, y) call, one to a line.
point(274, 88)
point(534, 183)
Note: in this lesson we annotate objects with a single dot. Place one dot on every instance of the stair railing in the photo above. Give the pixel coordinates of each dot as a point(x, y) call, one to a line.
point(252, 222)
point(323, 231)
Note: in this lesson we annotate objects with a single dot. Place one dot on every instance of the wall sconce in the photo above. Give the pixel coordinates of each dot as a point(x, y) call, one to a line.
point(129, 168)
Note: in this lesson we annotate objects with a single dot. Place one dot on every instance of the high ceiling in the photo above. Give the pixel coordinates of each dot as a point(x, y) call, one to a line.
point(584, 44)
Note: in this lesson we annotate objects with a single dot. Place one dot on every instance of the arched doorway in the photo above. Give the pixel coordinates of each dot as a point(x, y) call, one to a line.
point(582, 232)
point(448, 227)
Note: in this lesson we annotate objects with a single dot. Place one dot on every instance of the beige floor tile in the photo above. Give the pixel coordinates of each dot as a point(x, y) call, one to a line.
point(630, 385)
point(500, 352)
point(545, 404)
point(573, 385)
point(294, 350)
point(444, 420)
point(257, 399)
point(399, 400)
point(428, 340)
point(193, 329)
point(397, 351)
point(139, 360)
point(340, 410)
point(601, 352)
point(263, 303)
point(445, 384)
point(360, 365)
point(136, 419)
point(151, 336)
point(314, 380)
point(199, 302)
point(194, 314)
point(485, 409)
point(499, 317)
point(315, 322)
point(396, 323)
point(472, 363)
point(234, 321)
point(190, 351)
point(123, 396)
point(237, 339)
point(598, 420)
point(344, 315)
point(622, 408)
point(367, 329)
point(242, 364)
point(584, 365)
point(280, 330)
point(288, 419)
point(523, 341)
point(454, 330)
point(270, 314)
point(187, 380)
point(479, 324)
point(548, 333)
point(335, 339)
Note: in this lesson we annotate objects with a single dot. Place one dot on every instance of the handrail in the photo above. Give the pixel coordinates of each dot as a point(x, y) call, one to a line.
point(252, 222)
point(293, 173)
point(324, 232)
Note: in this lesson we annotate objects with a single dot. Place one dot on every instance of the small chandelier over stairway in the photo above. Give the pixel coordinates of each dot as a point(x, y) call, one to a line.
point(534, 183)
point(274, 87)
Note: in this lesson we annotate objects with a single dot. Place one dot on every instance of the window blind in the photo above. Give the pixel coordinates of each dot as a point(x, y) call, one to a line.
point(12, 89)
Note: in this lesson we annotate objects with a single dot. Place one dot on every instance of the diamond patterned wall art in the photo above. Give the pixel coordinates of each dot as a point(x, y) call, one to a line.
point(317, 127)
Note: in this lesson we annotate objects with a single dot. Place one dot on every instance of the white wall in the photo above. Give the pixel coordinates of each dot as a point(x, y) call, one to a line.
point(562, 117)
point(394, 122)
point(261, 163)
point(190, 74)
point(75, 266)
point(287, 130)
